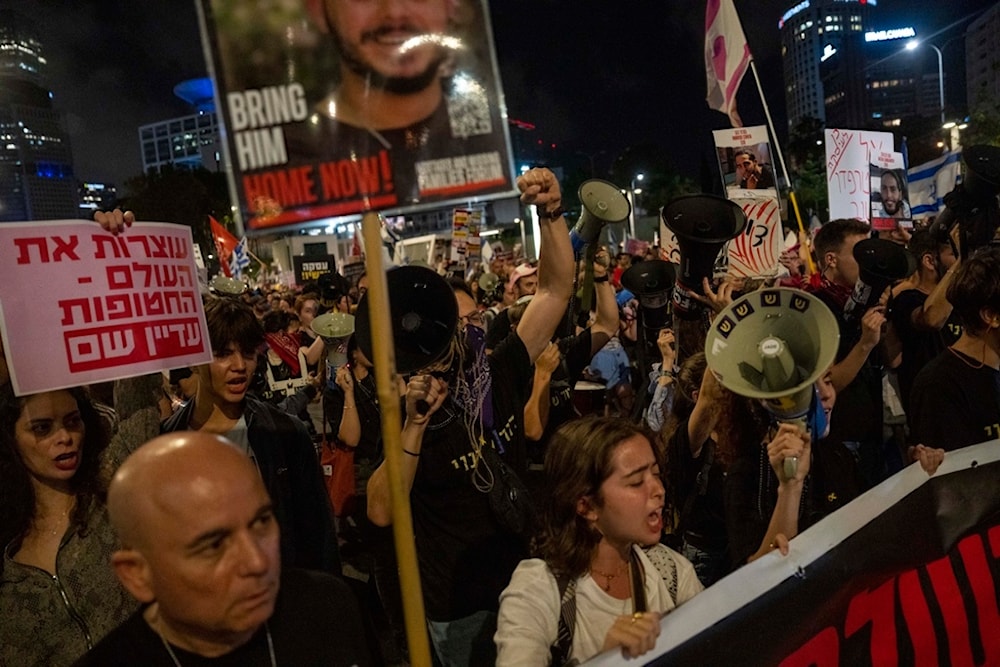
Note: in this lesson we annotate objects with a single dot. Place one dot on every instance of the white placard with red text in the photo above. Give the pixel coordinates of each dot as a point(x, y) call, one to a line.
point(848, 179)
point(79, 305)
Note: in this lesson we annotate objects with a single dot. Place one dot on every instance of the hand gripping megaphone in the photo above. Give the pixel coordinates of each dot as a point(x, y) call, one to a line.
point(772, 345)
point(702, 224)
point(334, 328)
point(880, 264)
point(603, 203)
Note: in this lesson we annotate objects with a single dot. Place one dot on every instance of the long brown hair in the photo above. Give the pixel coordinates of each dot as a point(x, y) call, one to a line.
point(577, 462)
point(17, 495)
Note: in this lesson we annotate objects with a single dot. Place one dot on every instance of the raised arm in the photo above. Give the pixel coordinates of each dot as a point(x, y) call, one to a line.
point(555, 262)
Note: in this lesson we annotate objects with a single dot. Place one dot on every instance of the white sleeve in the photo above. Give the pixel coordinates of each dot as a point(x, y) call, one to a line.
point(528, 622)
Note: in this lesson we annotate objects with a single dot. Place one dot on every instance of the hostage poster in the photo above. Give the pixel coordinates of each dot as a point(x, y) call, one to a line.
point(335, 107)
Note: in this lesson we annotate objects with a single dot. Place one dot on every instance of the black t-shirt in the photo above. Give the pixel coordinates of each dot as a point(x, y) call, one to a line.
point(955, 404)
point(919, 345)
point(369, 415)
point(857, 415)
point(498, 330)
point(750, 497)
point(316, 621)
point(564, 378)
point(465, 557)
point(705, 522)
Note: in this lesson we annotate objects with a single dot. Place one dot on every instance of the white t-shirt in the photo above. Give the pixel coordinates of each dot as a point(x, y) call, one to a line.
point(528, 622)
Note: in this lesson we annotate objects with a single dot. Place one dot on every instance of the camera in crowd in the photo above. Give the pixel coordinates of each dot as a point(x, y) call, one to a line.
point(972, 204)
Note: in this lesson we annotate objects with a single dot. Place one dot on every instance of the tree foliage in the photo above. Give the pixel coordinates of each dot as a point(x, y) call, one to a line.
point(180, 196)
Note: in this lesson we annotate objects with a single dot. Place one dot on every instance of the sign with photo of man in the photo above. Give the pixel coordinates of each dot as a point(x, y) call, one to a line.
point(745, 160)
point(335, 107)
point(890, 197)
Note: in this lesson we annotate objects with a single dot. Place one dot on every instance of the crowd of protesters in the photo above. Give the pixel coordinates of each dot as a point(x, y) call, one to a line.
point(649, 479)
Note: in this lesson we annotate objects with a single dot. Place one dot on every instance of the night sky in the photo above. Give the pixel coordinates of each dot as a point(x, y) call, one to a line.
point(592, 75)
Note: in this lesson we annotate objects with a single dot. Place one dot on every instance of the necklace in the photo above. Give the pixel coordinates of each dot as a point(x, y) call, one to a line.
point(964, 358)
point(177, 663)
point(609, 576)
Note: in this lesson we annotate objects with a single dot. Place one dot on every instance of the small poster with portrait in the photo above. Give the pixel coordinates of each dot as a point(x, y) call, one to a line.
point(745, 161)
point(890, 194)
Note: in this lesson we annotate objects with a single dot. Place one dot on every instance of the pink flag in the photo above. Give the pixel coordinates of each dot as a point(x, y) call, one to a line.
point(727, 57)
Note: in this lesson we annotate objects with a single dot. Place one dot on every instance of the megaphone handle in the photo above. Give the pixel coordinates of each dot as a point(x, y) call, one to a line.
point(587, 297)
point(422, 406)
point(791, 467)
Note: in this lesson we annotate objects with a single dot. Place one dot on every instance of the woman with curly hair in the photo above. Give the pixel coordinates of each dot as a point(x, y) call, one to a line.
point(58, 593)
point(603, 503)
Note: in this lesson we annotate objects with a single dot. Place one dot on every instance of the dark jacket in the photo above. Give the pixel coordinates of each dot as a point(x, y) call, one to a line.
point(293, 477)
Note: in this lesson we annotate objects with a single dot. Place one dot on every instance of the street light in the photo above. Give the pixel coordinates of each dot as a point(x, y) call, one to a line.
point(915, 44)
point(633, 191)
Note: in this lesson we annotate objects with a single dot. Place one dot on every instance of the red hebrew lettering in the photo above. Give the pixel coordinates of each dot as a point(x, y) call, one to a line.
point(918, 620)
point(876, 608)
point(823, 650)
point(117, 244)
point(985, 591)
point(65, 247)
point(24, 250)
point(956, 622)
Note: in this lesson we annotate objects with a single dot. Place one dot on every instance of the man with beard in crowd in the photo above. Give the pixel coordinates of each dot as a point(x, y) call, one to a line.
point(402, 96)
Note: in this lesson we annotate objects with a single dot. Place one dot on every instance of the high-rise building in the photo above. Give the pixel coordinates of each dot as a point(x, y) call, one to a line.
point(810, 30)
point(982, 58)
point(36, 164)
point(188, 142)
point(96, 196)
point(846, 64)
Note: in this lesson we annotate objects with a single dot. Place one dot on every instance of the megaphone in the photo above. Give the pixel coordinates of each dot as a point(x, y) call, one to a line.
point(334, 328)
point(423, 314)
point(786, 340)
point(603, 203)
point(880, 264)
point(488, 282)
point(703, 224)
point(226, 286)
point(651, 282)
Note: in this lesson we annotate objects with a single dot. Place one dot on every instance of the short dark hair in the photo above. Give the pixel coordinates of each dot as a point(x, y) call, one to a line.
point(231, 321)
point(832, 235)
point(976, 285)
point(749, 154)
point(923, 241)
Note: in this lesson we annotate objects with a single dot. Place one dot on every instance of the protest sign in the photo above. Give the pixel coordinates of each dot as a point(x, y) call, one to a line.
point(309, 268)
point(312, 133)
point(849, 154)
point(745, 161)
point(890, 198)
point(80, 305)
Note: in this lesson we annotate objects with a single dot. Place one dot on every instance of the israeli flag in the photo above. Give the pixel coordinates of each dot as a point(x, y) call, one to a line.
point(929, 182)
point(239, 260)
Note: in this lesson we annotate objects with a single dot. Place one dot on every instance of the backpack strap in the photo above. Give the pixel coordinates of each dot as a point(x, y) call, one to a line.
point(567, 621)
point(661, 558)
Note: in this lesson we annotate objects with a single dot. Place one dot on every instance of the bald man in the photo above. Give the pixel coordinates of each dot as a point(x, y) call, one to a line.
point(200, 551)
